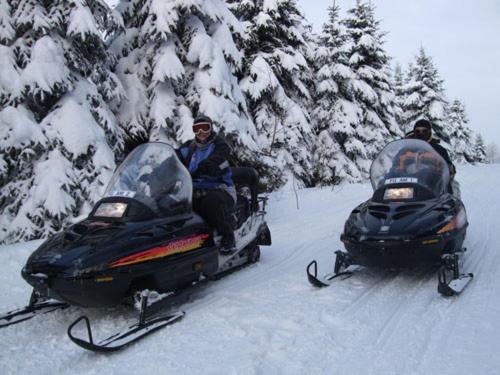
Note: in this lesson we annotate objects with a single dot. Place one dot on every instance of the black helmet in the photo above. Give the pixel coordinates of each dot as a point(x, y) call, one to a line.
point(423, 123)
point(425, 130)
point(202, 119)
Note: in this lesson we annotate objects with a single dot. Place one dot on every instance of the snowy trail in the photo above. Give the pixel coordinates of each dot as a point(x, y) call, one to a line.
point(267, 319)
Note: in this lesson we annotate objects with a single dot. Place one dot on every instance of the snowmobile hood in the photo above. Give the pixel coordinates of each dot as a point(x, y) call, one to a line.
point(96, 245)
point(406, 221)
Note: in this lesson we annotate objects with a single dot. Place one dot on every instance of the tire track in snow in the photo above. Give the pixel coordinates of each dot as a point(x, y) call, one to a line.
point(394, 319)
point(476, 261)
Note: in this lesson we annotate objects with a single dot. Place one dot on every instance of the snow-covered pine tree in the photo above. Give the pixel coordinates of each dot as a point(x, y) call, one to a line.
point(492, 153)
point(57, 133)
point(276, 79)
point(176, 61)
point(8, 70)
point(372, 83)
point(480, 149)
point(399, 93)
point(425, 98)
point(335, 114)
point(462, 148)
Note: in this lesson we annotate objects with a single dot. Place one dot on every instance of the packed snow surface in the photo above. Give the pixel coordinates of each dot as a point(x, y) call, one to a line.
point(267, 319)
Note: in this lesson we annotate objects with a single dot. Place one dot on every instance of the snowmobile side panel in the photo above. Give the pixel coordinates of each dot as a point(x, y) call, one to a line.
point(109, 288)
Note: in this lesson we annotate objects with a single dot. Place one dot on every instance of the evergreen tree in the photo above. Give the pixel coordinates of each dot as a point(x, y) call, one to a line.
point(480, 149)
point(462, 149)
point(335, 114)
point(177, 60)
point(372, 84)
point(398, 84)
point(9, 73)
point(58, 133)
point(276, 78)
point(424, 97)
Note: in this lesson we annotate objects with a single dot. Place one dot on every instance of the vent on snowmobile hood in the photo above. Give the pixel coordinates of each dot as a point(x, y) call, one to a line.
point(378, 210)
point(406, 210)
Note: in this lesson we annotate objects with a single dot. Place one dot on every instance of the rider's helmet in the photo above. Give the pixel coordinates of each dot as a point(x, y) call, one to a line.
point(423, 130)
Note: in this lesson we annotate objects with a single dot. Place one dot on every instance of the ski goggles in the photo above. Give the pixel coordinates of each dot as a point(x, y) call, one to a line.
point(421, 131)
point(202, 127)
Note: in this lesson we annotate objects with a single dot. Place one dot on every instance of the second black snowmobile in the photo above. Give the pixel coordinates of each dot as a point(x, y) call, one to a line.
point(413, 219)
point(141, 238)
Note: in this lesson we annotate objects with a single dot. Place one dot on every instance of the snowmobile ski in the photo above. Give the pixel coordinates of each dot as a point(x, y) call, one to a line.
point(132, 334)
point(324, 281)
point(37, 306)
point(30, 311)
point(120, 340)
point(454, 285)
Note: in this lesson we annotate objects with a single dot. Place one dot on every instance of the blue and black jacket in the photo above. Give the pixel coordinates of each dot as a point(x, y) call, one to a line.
point(208, 164)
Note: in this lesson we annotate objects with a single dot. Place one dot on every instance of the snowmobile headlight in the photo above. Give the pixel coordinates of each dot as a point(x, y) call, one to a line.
point(111, 209)
point(395, 194)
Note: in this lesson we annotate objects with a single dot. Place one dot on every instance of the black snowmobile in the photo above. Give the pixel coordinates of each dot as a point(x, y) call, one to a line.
point(142, 240)
point(412, 219)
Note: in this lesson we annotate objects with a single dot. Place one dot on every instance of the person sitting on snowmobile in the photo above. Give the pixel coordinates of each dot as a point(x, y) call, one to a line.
point(423, 130)
point(214, 192)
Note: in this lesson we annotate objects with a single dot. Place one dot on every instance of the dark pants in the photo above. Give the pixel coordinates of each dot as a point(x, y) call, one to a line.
point(216, 208)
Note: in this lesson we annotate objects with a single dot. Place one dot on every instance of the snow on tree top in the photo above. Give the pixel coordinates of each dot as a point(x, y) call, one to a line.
point(270, 5)
point(261, 78)
point(53, 172)
point(7, 32)
point(47, 66)
point(342, 71)
point(74, 125)
point(223, 37)
point(290, 60)
point(81, 21)
point(8, 74)
point(436, 110)
point(33, 15)
point(163, 17)
point(367, 41)
point(263, 19)
point(18, 128)
point(167, 64)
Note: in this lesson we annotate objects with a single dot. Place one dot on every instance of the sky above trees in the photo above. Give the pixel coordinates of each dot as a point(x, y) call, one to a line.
point(461, 37)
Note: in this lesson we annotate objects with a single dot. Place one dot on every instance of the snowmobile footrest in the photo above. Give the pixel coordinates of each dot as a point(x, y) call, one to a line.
point(321, 282)
point(30, 311)
point(122, 339)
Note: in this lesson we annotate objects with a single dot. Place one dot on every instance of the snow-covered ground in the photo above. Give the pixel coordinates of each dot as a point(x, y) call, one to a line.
point(267, 319)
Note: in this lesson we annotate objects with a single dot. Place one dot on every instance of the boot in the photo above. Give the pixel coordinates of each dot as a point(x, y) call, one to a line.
point(227, 244)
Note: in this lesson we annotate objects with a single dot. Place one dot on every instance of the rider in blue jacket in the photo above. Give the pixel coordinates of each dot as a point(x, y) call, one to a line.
point(214, 193)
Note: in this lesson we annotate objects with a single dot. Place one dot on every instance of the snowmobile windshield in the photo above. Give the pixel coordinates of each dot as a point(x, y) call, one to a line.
point(153, 175)
point(410, 162)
